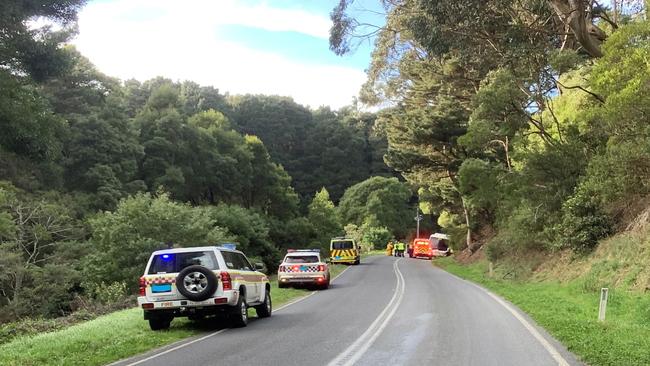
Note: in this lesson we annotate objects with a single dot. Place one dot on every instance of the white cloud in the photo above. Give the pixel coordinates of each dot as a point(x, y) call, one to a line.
point(144, 39)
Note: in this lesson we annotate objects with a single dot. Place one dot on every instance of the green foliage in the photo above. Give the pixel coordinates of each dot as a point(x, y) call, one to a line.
point(107, 293)
point(37, 252)
point(376, 237)
point(249, 229)
point(454, 226)
point(523, 230)
point(28, 127)
point(479, 183)
point(324, 220)
point(123, 240)
point(583, 222)
point(379, 201)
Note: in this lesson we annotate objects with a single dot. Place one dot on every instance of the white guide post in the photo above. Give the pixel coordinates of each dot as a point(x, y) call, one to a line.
point(604, 292)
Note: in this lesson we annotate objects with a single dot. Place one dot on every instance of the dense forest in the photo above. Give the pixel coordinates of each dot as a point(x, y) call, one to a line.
point(96, 172)
point(524, 124)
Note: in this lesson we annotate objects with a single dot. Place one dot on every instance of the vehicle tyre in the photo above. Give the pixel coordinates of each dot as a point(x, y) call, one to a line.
point(196, 283)
point(282, 285)
point(240, 313)
point(265, 309)
point(357, 261)
point(325, 286)
point(160, 323)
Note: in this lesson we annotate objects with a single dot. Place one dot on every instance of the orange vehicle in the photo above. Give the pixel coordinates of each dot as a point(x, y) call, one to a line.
point(422, 248)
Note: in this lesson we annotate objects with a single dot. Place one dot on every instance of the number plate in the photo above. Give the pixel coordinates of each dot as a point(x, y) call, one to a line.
point(167, 304)
point(157, 288)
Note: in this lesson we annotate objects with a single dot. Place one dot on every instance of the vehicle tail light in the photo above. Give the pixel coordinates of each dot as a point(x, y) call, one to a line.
point(281, 269)
point(227, 281)
point(321, 268)
point(143, 287)
point(147, 306)
point(220, 300)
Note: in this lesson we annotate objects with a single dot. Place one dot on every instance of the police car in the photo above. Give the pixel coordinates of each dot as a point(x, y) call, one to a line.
point(303, 267)
point(202, 281)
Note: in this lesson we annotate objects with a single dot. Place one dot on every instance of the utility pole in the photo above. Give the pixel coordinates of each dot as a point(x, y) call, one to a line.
point(418, 218)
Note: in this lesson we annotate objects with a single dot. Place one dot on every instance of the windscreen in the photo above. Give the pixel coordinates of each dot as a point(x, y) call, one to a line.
point(175, 262)
point(342, 244)
point(301, 259)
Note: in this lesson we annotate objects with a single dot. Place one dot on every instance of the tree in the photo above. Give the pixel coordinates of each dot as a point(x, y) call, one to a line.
point(35, 52)
point(34, 232)
point(378, 201)
point(124, 239)
point(324, 219)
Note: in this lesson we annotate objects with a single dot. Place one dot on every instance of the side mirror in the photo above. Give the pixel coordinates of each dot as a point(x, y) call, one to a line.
point(260, 267)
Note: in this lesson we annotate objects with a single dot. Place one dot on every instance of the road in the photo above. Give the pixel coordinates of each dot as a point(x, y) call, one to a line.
point(386, 311)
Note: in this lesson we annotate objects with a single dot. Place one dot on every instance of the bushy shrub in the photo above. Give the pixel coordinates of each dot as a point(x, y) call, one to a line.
point(583, 223)
point(376, 237)
point(523, 230)
point(107, 294)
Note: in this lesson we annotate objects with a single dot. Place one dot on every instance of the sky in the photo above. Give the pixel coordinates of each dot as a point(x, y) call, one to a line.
point(238, 46)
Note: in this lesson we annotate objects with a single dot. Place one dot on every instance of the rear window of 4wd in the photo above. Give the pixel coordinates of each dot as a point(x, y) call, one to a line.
point(301, 259)
point(342, 244)
point(175, 262)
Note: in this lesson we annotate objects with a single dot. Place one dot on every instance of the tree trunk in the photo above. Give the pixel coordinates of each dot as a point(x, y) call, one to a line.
point(469, 230)
point(18, 285)
point(574, 14)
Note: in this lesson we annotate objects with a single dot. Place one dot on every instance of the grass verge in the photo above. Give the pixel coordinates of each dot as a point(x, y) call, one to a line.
point(569, 312)
point(114, 336)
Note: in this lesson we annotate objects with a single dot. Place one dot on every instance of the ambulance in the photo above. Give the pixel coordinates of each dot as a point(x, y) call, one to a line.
point(344, 250)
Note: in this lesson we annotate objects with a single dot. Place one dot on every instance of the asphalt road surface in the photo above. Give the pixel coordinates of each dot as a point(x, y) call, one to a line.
point(386, 311)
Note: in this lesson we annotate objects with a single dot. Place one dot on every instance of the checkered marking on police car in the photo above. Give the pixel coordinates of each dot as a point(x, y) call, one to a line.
point(293, 269)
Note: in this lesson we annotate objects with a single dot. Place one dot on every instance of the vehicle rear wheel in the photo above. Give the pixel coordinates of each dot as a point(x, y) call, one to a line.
point(325, 286)
point(196, 283)
point(357, 261)
point(240, 312)
point(160, 323)
point(264, 309)
point(282, 285)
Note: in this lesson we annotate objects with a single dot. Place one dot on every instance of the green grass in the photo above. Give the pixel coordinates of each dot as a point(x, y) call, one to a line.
point(115, 336)
point(569, 312)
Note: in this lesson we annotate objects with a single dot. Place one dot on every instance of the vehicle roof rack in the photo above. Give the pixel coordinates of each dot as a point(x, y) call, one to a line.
point(302, 250)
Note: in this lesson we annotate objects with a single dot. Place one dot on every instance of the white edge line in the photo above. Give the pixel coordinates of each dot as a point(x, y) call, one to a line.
point(545, 343)
point(222, 330)
point(177, 347)
point(557, 356)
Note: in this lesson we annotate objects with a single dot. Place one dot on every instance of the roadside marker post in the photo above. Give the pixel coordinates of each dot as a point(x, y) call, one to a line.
point(604, 293)
point(491, 269)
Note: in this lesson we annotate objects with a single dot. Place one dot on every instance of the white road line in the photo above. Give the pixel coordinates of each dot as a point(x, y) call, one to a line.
point(531, 329)
point(352, 354)
point(220, 331)
point(557, 356)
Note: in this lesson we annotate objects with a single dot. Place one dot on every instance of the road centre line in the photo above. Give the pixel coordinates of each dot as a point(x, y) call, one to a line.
point(557, 356)
point(354, 352)
point(219, 331)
